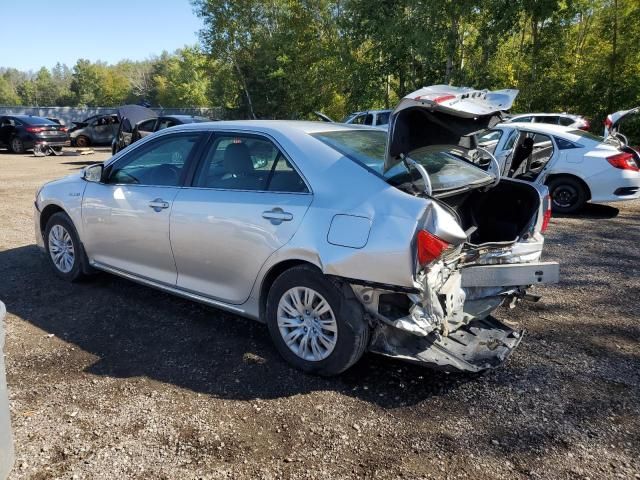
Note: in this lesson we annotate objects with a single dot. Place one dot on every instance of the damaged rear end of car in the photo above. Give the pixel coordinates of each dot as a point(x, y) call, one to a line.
point(477, 243)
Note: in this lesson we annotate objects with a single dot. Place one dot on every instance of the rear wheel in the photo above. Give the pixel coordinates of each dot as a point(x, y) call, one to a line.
point(568, 195)
point(82, 141)
point(64, 250)
point(17, 145)
point(316, 324)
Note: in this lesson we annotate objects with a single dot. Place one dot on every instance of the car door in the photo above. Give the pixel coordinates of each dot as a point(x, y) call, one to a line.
point(246, 200)
point(6, 127)
point(101, 130)
point(125, 218)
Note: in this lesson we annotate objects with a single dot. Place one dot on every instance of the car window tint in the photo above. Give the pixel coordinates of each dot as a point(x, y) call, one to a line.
point(383, 118)
point(565, 144)
point(522, 119)
point(552, 119)
point(147, 125)
point(511, 140)
point(166, 123)
point(284, 178)
point(368, 119)
point(566, 121)
point(359, 120)
point(237, 162)
point(158, 163)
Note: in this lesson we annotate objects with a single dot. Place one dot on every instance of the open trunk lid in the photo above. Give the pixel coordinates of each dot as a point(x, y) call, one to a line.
point(443, 115)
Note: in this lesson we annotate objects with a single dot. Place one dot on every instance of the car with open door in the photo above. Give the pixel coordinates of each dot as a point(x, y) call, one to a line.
point(339, 238)
point(152, 125)
point(564, 119)
point(20, 133)
point(372, 118)
point(95, 130)
point(128, 117)
point(625, 127)
point(577, 166)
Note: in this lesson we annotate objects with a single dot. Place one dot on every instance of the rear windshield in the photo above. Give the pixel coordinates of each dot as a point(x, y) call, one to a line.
point(367, 147)
point(29, 120)
point(589, 135)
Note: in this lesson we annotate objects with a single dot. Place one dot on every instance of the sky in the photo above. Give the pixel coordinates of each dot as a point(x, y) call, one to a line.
point(40, 33)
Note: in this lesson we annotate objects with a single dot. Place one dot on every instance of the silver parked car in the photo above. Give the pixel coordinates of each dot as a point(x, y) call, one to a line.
point(340, 241)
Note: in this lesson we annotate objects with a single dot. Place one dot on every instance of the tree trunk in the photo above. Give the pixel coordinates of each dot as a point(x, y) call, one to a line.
point(614, 58)
point(246, 90)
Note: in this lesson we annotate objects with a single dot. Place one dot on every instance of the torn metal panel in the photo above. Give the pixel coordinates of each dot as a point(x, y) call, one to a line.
point(481, 345)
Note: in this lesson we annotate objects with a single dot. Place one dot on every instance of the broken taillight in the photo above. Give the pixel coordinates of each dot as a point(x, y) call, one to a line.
point(546, 218)
point(430, 247)
point(623, 161)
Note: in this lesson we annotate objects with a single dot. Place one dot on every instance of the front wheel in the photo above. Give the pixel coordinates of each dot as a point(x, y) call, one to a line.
point(316, 324)
point(567, 194)
point(82, 141)
point(65, 252)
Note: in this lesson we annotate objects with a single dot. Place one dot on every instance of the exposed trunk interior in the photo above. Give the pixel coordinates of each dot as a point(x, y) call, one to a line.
point(501, 214)
point(417, 127)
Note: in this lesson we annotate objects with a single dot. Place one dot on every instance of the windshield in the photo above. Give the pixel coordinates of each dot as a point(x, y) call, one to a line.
point(367, 147)
point(589, 135)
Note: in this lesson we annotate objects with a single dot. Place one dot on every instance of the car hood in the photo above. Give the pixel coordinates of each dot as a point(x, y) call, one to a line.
point(443, 115)
point(135, 113)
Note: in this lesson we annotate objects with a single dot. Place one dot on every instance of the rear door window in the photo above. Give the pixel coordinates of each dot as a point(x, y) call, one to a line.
point(551, 119)
point(247, 162)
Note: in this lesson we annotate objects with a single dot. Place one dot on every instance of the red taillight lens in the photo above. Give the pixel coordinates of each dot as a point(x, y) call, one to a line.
point(623, 161)
point(430, 247)
point(444, 98)
point(546, 218)
point(35, 129)
point(608, 122)
point(63, 129)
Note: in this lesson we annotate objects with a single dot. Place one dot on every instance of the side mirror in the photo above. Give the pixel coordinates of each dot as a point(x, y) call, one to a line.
point(93, 173)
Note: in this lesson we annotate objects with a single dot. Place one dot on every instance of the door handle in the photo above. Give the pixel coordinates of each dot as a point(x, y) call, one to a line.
point(277, 216)
point(158, 204)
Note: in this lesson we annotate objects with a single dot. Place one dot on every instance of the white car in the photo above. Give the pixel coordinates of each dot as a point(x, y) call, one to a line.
point(625, 125)
point(577, 166)
point(564, 119)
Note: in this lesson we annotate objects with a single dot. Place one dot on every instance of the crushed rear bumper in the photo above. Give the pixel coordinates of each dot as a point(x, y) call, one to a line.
point(482, 344)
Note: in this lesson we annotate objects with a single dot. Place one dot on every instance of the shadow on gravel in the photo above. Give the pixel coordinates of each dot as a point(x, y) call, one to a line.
point(138, 331)
point(592, 210)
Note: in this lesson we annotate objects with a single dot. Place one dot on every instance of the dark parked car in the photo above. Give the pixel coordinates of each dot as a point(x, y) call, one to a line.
point(20, 133)
point(96, 130)
point(147, 127)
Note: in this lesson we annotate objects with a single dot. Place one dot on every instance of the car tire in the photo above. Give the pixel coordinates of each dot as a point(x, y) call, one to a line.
point(315, 337)
point(60, 238)
point(17, 145)
point(82, 141)
point(568, 195)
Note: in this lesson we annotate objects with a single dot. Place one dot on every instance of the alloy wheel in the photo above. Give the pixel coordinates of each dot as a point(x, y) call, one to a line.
point(307, 324)
point(61, 249)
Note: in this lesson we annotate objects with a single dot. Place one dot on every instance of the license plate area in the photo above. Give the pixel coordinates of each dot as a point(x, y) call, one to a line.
point(511, 275)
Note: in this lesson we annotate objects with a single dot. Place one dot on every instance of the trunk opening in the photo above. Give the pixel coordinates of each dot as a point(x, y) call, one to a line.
point(502, 214)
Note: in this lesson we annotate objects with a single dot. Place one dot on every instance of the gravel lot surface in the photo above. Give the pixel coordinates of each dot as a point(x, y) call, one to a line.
point(110, 379)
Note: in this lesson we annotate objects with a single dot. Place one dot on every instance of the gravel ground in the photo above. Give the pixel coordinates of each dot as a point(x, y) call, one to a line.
point(109, 379)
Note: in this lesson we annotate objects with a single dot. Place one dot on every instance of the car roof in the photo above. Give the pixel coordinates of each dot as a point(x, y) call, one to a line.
point(29, 118)
point(182, 117)
point(539, 114)
point(544, 128)
point(267, 126)
point(370, 111)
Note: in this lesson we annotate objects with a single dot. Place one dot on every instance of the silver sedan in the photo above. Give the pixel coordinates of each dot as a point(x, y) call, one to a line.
point(340, 241)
